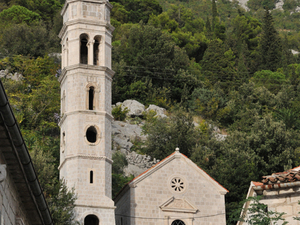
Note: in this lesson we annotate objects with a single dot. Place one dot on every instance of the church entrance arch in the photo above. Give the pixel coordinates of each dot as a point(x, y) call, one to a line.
point(91, 220)
point(178, 222)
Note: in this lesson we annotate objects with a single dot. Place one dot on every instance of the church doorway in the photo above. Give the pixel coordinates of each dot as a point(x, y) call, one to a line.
point(178, 222)
point(91, 220)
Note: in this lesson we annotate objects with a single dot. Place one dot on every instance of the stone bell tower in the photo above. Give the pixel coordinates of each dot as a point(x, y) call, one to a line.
point(85, 152)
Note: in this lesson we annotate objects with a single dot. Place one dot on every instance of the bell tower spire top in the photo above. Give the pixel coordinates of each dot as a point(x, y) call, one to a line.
point(85, 153)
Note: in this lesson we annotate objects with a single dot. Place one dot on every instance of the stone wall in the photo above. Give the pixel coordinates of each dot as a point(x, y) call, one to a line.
point(153, 200)
point(11, 209)
point(284, 200)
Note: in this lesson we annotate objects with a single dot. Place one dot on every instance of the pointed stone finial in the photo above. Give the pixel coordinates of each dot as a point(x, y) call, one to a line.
point(177, 150)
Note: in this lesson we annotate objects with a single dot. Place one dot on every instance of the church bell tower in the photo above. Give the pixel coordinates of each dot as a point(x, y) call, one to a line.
point(85, 151)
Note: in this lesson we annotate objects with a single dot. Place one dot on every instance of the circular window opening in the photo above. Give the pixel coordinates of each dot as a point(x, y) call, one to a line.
point(91, 134)
point(177, 184)
point(178, 222)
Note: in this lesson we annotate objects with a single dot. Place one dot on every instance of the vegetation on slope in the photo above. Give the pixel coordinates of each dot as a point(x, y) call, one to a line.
point(196, 58)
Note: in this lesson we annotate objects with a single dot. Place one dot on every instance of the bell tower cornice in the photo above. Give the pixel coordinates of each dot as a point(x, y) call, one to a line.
point(95, 1)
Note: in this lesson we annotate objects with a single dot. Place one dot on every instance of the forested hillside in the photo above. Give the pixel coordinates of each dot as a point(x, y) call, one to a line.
point(202, 60)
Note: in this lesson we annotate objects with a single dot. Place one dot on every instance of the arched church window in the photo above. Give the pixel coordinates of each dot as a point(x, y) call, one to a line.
point(91, 98)
point(178, 222)
point(96, 50)
point(91, 134)
point(91, 220)
point(83, 49)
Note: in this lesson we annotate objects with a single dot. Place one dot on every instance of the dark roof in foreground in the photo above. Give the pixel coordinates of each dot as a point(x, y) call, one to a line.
point(19, 165)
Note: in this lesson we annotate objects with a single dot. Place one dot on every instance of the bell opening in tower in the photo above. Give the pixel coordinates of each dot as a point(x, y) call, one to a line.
point(96, 51)
point(83, 49)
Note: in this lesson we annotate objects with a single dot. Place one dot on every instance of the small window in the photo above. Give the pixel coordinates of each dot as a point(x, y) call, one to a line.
point(91, 98)
point(91, 220)
point(91, 134)
point(178, 222)
point(91, 176)
point(64, 139)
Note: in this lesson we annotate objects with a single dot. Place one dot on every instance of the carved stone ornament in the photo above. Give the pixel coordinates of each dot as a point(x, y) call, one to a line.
point(178, 205)
point(2, 172)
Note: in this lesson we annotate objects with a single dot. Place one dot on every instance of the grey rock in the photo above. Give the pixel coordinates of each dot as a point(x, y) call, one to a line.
point(135, 108)
point(7, 75)
point(160, 112)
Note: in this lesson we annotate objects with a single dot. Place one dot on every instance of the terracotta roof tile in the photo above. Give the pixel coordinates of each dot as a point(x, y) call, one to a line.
point(257, 183)
point(291, 175)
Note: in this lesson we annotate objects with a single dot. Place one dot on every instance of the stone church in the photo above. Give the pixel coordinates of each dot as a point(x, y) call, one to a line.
point(173, 192)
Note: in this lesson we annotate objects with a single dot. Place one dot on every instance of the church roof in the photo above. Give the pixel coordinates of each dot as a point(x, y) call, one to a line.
point(19, 165)
point(163, 162)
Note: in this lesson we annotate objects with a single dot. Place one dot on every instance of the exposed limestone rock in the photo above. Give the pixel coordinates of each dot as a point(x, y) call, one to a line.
point(7, 75)
point(160, 112)
point(135, 108)
point(124, 135)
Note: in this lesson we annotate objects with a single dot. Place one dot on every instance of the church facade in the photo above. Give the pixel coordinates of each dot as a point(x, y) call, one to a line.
point(173, 192)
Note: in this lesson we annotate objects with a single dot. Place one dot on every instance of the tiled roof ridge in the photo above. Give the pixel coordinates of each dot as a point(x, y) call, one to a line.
point(288, 176)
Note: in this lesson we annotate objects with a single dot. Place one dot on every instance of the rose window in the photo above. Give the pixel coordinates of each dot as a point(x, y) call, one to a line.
point(177, 184)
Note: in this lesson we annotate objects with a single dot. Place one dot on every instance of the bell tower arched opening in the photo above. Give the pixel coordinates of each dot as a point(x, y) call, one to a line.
point(84, 48)
point(97, 50)
point(91, 220)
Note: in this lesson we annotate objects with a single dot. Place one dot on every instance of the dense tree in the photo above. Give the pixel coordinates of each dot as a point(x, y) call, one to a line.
point(218, 65)
point(148, 55)
point(166, 134)
point(17, 15)
point(270, 45)
point(138, 10)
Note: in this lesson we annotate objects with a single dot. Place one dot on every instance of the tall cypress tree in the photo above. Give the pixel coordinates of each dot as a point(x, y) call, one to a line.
point(270, 45)
point(214, 14)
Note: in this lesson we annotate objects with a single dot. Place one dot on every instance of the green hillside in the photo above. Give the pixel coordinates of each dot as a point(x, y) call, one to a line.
point(199, 59)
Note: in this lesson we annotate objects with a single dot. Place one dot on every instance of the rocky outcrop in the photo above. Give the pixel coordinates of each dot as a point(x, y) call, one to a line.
point(161, 112)
point(124, 135)
point(135, 108)
point(7, 75)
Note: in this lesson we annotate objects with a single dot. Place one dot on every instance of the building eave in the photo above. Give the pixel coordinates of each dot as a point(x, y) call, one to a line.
point(20, 165)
